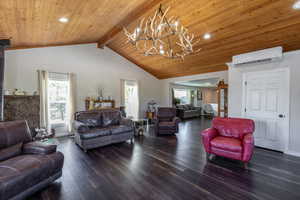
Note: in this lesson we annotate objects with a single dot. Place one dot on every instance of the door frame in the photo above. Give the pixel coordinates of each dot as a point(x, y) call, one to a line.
point(286, 138)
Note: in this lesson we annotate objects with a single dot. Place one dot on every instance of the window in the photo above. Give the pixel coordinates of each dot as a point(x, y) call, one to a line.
point(183, 95)
point(58, 99)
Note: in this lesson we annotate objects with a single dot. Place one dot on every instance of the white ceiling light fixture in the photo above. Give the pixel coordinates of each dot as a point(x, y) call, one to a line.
point(63, 20)
point(296, 5)
point(206, 36)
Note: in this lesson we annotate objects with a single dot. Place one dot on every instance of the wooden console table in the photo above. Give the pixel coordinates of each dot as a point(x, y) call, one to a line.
point(99, 104)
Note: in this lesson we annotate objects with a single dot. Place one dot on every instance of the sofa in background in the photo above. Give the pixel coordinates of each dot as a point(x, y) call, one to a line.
point(188, 111)
point(98, 128)
point(166, 121)
point(25, 166)
point(231, 138)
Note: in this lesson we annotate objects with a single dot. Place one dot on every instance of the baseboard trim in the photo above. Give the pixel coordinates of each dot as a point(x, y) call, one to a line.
point(293, 153)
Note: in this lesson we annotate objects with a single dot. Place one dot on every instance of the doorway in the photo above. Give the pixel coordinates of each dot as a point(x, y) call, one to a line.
point(266, 101)
point(58, 102)
point(131, 98)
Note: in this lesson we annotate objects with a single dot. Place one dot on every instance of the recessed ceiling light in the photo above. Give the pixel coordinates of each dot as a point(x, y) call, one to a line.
point(296, 5)
point(206, 36)
point(63, 20)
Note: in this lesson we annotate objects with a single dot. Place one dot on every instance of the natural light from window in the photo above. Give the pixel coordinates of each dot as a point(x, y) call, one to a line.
point(183, 95)
point(58, 96)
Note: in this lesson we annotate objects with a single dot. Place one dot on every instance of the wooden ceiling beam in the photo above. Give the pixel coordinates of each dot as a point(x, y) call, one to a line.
point(138, 12)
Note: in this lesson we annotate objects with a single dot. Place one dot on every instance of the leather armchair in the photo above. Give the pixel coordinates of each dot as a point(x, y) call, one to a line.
point(166, 121)
point(230, 137)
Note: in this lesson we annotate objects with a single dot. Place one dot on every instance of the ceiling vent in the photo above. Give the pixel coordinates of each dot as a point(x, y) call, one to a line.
point(257, 57)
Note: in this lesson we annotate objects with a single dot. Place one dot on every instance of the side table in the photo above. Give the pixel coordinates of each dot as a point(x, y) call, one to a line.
point(139, 126)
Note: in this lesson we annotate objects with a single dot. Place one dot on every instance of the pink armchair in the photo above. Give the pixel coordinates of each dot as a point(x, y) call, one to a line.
point(231, 138)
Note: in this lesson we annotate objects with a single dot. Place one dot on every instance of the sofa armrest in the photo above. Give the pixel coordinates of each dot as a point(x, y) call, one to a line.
point(126, 122)
point(248, 145)
point(207, 136)
point(38, 148)
point(80, 127)
point(180, 112)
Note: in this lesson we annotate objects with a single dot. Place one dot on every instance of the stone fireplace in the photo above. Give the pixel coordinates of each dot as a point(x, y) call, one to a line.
point(23, 107)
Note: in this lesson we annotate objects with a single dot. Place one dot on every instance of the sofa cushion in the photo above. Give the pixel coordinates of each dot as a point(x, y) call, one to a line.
point(95, 132)
point(189, 107)
point(180, 107)
point(115, 130)
point(14, 132)
point(22, 172)
point(11, 151)
point(38, 148)
point(226, 143)
point(111, 118)
point(91, 119)
point(167, 125)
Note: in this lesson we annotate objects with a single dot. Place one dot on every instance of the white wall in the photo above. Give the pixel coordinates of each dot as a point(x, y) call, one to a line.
point(93, 67)
point(290, 60)
point(166, 92)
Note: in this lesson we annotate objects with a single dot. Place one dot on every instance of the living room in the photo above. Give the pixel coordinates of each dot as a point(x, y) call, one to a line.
point(154, 99)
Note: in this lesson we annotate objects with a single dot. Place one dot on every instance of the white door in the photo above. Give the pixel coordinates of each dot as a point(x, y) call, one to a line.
point(131, 98)
point(266, 101)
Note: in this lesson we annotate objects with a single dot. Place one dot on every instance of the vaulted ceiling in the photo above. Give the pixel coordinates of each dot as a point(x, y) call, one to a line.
point(236, 26)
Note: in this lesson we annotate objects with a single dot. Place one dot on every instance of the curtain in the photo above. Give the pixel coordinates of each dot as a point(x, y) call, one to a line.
point(122, 92)
point(43, 91)
point(72, 101)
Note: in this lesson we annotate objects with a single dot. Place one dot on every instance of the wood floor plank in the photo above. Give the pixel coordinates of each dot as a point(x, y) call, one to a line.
point(171, 168)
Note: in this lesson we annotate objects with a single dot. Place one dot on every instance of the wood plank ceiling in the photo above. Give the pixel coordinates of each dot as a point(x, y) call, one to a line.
point(34, 23)
point(236, 26)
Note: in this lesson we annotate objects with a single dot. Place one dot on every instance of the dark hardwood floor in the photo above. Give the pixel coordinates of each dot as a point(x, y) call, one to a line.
point(171, 167)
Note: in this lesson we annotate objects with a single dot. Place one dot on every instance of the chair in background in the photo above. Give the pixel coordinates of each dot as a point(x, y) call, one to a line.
point(210, 110)
point(166, 121)
point(231, 138)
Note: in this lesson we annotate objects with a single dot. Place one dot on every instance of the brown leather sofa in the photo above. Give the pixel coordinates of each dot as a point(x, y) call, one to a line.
point(101, 127)
point(166, 121)
point(25, 166)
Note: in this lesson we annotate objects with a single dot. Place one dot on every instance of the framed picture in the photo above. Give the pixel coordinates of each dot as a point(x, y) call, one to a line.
point(199, 94)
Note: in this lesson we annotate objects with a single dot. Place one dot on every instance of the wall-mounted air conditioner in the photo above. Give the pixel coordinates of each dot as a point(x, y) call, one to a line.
point(257, 57)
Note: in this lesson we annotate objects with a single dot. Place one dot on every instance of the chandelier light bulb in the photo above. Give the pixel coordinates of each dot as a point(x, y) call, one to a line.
point(162, 51)
point(161, 47)
point(176, 23)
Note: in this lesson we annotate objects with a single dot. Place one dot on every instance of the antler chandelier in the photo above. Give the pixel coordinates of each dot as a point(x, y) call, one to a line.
point(159, 35)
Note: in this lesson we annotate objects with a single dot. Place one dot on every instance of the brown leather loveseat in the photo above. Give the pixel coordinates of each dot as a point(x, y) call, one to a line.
point(25, 166)
point(98, 128)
